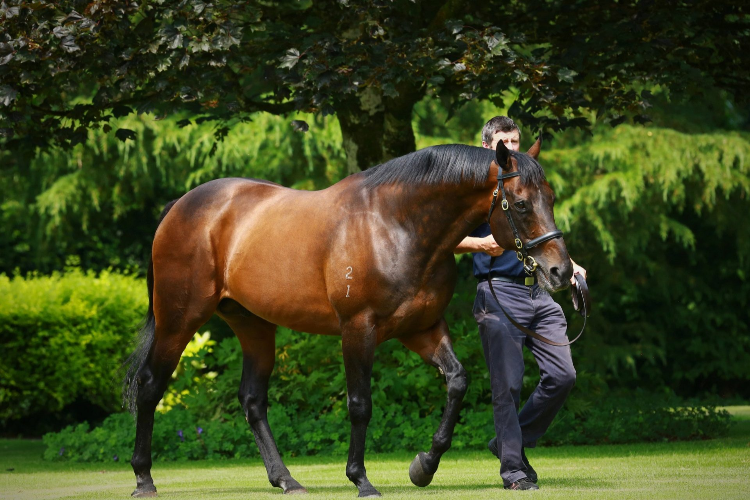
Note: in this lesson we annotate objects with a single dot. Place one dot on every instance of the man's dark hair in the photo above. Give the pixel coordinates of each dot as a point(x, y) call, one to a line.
point(498, 124)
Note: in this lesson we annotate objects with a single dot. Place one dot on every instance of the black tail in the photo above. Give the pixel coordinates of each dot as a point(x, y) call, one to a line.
point(145, 338)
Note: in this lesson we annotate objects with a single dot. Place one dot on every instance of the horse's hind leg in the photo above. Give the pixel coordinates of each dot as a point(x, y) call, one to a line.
point(258, 340)
point(152, 379)
point(178, 309)
point(434, 346)
point(358, 342)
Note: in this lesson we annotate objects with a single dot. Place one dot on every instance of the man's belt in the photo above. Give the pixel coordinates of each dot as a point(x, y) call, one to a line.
point(527, 280)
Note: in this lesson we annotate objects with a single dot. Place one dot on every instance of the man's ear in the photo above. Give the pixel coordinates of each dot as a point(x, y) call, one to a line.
point(534, 150)
point(502, 155)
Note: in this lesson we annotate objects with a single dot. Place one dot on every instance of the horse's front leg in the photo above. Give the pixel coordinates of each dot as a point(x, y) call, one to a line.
point(435, 347)
point(358, 343)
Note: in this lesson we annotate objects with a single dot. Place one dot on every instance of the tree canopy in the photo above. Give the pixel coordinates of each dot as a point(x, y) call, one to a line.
point(70, 66)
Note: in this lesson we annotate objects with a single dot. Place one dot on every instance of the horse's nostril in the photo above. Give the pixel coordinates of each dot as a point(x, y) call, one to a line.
point(555, 271)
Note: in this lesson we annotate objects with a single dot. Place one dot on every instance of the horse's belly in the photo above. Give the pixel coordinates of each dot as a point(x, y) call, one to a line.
point(282, 290)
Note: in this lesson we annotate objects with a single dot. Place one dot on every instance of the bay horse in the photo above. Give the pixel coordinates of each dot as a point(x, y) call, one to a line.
point(369, 258)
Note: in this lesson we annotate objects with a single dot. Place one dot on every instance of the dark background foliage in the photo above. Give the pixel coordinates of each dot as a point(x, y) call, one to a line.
point(67, 67)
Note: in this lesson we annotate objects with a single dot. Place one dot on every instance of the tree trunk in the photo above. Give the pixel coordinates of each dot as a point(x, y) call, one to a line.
point(375, 128)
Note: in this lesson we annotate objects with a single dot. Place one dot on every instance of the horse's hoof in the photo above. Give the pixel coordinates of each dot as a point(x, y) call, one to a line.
point(370, 493)
point(296, 491)
point(417, 474)
point(144, 492)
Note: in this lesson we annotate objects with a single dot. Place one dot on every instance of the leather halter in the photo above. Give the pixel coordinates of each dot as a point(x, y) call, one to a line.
point(529, 264)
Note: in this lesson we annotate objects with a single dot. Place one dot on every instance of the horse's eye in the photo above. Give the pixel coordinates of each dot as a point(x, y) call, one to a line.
point(520, 205)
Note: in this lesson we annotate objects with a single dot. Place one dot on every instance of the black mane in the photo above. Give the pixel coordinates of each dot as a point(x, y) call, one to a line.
point(448, 164)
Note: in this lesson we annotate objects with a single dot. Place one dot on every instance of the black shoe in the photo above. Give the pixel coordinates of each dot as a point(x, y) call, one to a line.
point(522, 484)
point(530, 472)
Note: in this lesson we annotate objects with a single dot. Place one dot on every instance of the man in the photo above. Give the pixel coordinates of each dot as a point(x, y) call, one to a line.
point(503, 343)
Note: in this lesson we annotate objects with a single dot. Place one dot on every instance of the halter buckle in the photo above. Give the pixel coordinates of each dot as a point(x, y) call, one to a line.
point(519, 256)
point(529, 265)
point(504, 203)
point(519, 245)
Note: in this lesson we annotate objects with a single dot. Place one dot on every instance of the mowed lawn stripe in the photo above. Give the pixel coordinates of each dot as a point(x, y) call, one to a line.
point(709, 469)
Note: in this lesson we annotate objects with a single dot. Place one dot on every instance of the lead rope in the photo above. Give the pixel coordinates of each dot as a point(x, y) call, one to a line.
point(532, 333)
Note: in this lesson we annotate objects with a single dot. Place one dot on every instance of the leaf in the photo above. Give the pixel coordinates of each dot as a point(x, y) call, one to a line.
point(444, 63)
point(300, 126)
point(7, 94)
point(121, 110)
point(8, 11)
point(69, 44)
point(73, 16)
point(61, 32)
point(171, 36)
point(6, 132)
point(198, 6)
point(228, 35)
point(146, 107)
point(459, 67)
point(290, 59)
point(124, 134)
point(497, 43)
point(184, 61)
point(454, 26)
point(566, 75)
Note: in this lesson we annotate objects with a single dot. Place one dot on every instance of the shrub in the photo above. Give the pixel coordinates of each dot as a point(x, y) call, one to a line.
point(201, 418)
point(63, 339)
point(637, 417)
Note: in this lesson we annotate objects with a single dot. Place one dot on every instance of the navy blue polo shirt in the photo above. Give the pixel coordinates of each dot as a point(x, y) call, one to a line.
point(507, 264)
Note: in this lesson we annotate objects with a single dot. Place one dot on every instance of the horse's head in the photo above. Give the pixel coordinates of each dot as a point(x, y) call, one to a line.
point(525, 200)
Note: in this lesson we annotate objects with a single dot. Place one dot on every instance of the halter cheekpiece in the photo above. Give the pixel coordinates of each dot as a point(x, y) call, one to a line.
point(529, 264)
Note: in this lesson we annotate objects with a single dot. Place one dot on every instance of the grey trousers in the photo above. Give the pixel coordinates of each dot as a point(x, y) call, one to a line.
point(503, 352)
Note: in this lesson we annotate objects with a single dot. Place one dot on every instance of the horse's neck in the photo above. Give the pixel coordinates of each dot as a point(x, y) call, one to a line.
point(442, 216)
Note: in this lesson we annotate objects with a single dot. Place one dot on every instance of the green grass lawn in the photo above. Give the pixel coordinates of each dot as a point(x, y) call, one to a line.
point(710, 469)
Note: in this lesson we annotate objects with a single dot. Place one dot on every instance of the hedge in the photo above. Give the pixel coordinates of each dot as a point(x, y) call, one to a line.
point(64, 337)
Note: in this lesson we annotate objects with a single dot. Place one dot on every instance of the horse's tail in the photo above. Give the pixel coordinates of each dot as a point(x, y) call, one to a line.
point(145, 338)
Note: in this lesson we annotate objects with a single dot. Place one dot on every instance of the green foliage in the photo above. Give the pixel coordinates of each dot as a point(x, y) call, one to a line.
point(308, 412)
point(100, 201)
point(654, 215)
point(636, 417)
point(67, 67)
point(62, 338)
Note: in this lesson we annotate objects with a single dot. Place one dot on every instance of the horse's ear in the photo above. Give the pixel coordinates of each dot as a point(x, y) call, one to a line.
point(534, 150)
point(502, 155)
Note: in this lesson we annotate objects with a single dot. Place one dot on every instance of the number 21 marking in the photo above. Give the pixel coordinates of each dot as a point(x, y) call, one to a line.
point(349, 277)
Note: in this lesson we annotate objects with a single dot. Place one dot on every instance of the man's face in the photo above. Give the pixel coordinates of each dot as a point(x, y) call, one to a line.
point(511, 139)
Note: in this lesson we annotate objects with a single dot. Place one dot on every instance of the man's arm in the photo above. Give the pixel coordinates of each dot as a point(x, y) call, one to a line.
point(487, 245)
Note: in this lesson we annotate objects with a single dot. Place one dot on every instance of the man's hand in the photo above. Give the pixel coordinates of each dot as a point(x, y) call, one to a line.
point(489, 246)
point(576, 270)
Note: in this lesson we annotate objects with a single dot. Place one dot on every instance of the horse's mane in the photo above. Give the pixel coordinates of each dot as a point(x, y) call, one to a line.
point(448, 164)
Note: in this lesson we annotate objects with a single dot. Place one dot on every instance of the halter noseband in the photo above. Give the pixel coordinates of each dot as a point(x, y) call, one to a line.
point(529, 264)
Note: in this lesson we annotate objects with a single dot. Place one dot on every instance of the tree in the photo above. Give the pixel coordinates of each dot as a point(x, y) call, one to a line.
point(69, 66)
